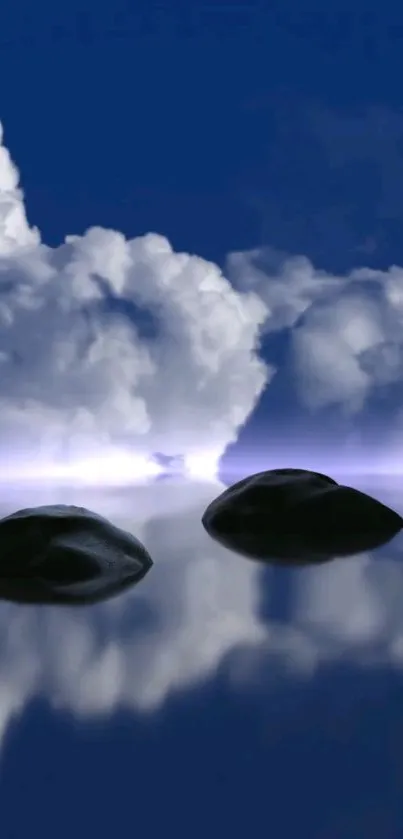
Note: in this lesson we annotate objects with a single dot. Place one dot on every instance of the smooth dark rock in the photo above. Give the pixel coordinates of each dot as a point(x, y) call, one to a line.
point(65, 554)
point(297, 517)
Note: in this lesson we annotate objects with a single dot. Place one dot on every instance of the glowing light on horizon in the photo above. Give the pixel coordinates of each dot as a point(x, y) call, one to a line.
point(202, 466)
point(110, 468)
point(106, 469)
point(121, 467)
point(114, 469)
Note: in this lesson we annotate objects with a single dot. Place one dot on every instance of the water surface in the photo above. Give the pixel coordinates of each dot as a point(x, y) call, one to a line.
point(216, 697)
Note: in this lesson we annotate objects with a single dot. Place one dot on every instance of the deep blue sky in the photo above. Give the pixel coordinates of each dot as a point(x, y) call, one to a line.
point(213, 125)
point(223, 127)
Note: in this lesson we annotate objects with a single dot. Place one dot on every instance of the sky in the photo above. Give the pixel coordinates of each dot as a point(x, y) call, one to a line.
point(200, 257)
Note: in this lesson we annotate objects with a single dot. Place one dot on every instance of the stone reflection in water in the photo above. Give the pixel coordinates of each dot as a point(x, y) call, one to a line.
point(133, 651)
point(298, 517)
point(199, 610)
point(64, 554)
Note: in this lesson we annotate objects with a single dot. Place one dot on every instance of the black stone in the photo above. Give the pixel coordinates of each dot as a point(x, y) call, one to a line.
point(298, 517)
point(66, 554)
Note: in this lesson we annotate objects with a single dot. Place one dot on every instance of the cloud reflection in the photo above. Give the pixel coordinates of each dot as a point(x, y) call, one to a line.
point(201, 608)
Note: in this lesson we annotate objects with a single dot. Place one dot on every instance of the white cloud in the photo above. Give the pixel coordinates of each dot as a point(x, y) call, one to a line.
point(288, 286)
point(76, 370)
point(345, 336)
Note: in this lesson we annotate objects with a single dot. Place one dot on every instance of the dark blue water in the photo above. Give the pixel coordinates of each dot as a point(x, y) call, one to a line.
point(216, 696)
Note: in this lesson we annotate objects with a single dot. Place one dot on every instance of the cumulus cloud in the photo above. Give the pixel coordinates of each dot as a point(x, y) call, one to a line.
point(345, 332)
point(77, 369)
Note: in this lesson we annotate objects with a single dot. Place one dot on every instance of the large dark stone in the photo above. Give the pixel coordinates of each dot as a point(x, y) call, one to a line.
point(297, 517)
point(66, 554)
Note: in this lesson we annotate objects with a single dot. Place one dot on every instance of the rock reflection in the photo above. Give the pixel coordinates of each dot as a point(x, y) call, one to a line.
point(298, 517)
point(170, 632)
point(199, 609)
point(64, 554)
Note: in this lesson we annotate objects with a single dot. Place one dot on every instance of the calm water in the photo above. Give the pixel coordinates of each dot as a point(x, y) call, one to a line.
point(216, 697)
